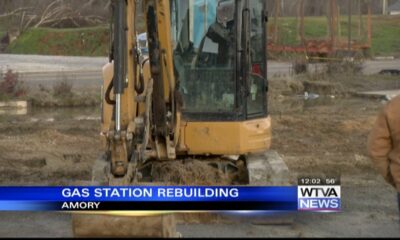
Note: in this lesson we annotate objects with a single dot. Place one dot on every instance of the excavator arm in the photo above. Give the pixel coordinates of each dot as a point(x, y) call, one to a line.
point(139, 107)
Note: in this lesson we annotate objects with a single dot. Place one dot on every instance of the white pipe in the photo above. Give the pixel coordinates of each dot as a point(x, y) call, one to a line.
point(118, 112)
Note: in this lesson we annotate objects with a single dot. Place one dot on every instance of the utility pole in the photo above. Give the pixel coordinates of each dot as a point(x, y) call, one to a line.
point(385, 7)
point(359, 18)
point(277, 13)
point(300, 22)
point(349, 23)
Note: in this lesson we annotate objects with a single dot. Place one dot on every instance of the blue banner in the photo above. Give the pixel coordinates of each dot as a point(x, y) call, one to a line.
point(149, 194)
point(146, 198)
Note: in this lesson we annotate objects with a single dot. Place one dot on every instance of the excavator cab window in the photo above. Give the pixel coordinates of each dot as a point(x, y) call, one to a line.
point(256, 101)
point(207, 40)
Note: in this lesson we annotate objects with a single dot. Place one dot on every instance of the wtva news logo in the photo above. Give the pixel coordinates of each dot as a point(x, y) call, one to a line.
point(319, 198)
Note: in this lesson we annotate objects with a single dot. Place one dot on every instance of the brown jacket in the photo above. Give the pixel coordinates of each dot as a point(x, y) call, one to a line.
point(384, 143)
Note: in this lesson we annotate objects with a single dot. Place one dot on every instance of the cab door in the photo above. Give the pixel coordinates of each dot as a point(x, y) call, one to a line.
point(257, 66)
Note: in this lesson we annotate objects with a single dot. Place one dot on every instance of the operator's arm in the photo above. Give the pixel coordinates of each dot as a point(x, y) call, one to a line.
point(380, 145)
point(218, 34)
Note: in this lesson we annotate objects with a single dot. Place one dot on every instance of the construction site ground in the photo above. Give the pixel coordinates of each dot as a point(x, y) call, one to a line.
point(324, 135)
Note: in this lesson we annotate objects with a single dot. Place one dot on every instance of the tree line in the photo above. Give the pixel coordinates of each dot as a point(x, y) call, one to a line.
point(78, 13)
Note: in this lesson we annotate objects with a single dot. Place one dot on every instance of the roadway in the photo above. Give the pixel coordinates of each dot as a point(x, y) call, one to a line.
point(85, 72)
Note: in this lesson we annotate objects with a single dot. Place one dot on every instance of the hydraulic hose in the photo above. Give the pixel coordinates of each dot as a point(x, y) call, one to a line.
point(108, 93)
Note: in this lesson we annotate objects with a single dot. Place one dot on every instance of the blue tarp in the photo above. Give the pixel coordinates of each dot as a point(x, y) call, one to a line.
point(205, 13)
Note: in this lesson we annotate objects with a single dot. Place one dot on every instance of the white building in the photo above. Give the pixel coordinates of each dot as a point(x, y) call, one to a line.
point(394, 9)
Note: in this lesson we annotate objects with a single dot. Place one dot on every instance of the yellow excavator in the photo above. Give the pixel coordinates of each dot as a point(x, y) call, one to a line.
point(199, 92)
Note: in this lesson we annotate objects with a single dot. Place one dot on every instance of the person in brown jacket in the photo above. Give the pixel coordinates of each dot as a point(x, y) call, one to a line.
point(384, 144)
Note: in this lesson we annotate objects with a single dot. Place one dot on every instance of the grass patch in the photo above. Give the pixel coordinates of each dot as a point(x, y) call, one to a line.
point(69, 42)
point(386, 35)
point(314, 27)
point(48, 99)
point(94, 41)
point(385, 32)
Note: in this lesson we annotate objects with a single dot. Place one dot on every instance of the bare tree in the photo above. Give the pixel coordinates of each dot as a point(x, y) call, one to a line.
point(25, 14)
point(14, 12)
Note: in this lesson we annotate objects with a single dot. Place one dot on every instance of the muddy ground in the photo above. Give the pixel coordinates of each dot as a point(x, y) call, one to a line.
point(325, 136)
point(48, 146)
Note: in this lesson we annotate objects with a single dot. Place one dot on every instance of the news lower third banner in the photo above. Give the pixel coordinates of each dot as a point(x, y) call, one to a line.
point(174, 199)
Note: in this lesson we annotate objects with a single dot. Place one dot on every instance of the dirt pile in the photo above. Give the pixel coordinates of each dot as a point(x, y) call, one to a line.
point(191, 172)
point(44, 99)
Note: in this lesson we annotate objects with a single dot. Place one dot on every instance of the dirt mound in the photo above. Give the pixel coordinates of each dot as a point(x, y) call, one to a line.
point(323, 87)
point(279, 86)
point(189, 172)
point(289, 87)
point(44, 99)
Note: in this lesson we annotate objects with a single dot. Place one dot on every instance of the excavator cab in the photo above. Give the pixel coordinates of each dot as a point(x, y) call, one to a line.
point(219, 57)
point(219, 52)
